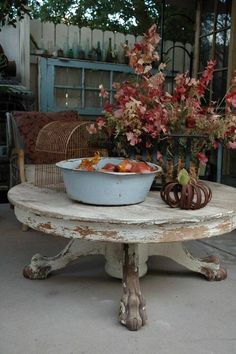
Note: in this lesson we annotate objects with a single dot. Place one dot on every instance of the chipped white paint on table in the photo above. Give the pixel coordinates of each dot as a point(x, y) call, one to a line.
point(125, 235)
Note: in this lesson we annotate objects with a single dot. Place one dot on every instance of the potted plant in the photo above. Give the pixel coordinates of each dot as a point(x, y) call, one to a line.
point(145, 117)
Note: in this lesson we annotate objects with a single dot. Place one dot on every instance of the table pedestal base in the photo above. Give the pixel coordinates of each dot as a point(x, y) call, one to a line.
point(129, 260)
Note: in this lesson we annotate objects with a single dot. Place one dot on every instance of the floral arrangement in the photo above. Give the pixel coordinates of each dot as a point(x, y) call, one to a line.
point(143, 112)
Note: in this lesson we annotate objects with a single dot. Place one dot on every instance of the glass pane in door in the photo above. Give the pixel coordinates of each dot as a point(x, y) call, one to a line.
point(95, 78)
point(223, 19)
point(92, 99)
point(219, 85)
point(71, 77)
point(222, 48)
point(208, 16)
point(65, 98)
point(206, 44)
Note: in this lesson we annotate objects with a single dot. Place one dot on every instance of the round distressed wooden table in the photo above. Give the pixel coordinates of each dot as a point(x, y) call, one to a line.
point(125, 235)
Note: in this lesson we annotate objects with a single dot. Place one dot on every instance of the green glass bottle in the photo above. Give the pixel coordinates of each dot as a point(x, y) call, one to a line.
point(81, 53)
point(99, 51)
point(70, 53)
point(87, 49)
point(75, 45)
point(109, 56)
point(126, 48)
point(115, 54)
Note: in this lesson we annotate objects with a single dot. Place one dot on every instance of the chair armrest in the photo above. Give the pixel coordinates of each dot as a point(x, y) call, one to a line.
point(18, 157)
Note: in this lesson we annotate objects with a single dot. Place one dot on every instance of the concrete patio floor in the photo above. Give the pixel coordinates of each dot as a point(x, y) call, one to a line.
point(75, 310)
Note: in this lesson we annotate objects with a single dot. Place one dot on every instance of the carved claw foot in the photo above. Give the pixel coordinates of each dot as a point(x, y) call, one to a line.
point(39, 268)
point(132, 306)
point(132, 310)
point(209, 267)
point(212, 270)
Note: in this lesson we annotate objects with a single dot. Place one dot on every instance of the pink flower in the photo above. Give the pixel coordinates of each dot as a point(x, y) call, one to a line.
point(216, 144)
point(100, 122)
point(190, 122)
point(152, 35)
point(103, 93)
point(202, 158)
point(108, 107)
point(116, 85)
point(143, 53)
point(137, 46)
point(142, 109)
point(231, 98)
point(118, 113)
point(132, 138)
point(233, 101)
point(232, 144)
point(208, 72)
point(148, 144)
point(92, 129)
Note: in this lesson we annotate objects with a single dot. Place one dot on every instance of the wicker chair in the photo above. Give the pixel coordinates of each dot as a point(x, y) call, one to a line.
point(38, 140)
point(22, 132)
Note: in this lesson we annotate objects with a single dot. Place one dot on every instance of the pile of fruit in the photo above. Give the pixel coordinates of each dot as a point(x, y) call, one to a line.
point(128, 166)
point(125, 166)
point(89, 164)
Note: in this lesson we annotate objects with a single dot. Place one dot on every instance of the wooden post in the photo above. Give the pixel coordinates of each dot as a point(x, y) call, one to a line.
point(228, 159)
point(24, 42)
point(197, 41)
point(232, 46)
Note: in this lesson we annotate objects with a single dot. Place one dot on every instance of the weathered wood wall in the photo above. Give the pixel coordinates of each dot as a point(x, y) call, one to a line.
point(52, 37)
point(16, 46)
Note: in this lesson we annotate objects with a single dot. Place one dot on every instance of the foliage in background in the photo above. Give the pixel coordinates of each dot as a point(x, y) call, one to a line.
point(53, 11)
point(127, 16)
point(11, 9)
